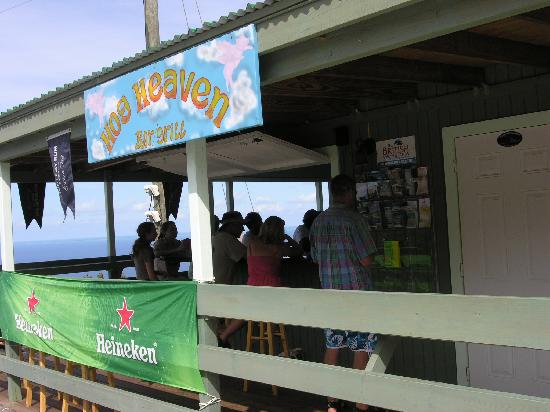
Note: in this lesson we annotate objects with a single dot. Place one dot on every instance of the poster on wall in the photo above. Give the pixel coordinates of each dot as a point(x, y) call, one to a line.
point(204, 91)
point(398, 151)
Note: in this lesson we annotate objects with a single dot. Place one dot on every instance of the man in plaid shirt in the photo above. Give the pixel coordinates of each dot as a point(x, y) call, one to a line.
point(342, 246)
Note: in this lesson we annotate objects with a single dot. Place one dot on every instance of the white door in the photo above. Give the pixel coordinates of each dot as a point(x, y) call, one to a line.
point(504, 197)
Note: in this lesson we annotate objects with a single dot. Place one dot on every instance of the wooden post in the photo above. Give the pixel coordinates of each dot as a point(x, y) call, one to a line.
point(201, 246)
point(8, 264)
point(229, 198)
point(110, 221)
point(319, 195)
point(152, 34)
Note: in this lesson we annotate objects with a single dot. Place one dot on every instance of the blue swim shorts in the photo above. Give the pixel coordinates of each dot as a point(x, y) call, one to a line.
point(356, 341)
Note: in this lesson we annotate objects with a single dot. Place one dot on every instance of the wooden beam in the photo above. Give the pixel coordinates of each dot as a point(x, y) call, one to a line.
point(489, 320)
point(320, 87)
point(403, 70)
point(490, 49)
point(284, 104)
point(387, 32)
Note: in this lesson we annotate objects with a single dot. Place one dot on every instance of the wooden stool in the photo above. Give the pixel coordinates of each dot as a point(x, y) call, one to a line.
point(88, 373)
point(27, 385)
point(266, 333)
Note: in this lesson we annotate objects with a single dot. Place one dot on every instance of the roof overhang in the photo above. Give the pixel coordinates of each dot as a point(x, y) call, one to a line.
point(253, 153)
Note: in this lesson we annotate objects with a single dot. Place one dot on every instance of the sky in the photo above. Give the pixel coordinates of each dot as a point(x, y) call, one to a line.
point(48, 43)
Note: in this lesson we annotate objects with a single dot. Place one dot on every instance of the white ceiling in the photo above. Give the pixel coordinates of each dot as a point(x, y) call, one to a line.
point(246, 154)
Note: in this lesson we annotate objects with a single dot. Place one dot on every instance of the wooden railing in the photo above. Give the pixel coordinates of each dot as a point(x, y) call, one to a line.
point(61, 267)
point(508, 321)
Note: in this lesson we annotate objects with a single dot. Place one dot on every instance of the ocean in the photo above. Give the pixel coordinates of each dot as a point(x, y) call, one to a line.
point(48, 250)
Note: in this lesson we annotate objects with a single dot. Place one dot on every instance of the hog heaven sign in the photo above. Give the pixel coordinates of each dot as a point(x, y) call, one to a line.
point(147, 330)
point(210, 89)
point(396, 151)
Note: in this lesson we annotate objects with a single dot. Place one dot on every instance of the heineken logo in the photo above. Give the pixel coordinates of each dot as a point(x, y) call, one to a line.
point(37, 328)
point(128, 350)
point(125, 317)
point(32, 301)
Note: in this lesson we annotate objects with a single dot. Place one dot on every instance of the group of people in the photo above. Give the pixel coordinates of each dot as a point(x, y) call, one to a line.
point(162, 260)
point(338, 240)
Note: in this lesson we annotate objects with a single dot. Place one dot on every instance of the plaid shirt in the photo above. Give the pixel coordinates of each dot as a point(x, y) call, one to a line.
point(340, 238)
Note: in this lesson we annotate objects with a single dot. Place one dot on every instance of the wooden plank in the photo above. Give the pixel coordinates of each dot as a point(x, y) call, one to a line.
point(328, 87)
point(380, 359)
point(315, 19)
point(491, 320)
point(55, 114)
point(490, 49)
point(407, 26)
point(395, 69)
point(377, 389)
point(116, 399)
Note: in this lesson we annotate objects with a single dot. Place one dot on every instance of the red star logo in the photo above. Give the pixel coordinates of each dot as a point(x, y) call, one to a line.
point(125, 316)
point(32, 301)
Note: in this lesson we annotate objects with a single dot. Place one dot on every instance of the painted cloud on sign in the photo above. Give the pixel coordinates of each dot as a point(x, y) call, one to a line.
point(156, 109)
point(228, 54)
point(242, 100)
point(175, 60)
point(95, 103)
point(98, 151)
point(188, 107)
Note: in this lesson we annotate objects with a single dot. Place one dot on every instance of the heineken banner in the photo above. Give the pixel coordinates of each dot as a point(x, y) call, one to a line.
point(147, 330)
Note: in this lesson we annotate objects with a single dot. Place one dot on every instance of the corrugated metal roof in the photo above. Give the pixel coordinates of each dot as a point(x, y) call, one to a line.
point(250, 8)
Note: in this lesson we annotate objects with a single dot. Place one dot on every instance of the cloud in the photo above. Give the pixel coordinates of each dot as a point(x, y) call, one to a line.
point(308, 197)
point(246, 32)
point(110, 106)
point(98, 150)
point(175, 60)
point(209, 52)
point(269, 207)
point(189, 108)
point(156, 109)
point(242, 100)
point(140, 207)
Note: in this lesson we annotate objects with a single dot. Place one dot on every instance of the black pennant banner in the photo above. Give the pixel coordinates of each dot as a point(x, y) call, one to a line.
point(172, 195)
point(32, 196)
point(59, 146)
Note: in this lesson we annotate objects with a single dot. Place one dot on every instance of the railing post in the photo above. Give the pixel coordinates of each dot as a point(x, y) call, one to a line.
point(201, 249)
point(8, 263)
point(110, 221)
point(229, 198)
point(319, 195)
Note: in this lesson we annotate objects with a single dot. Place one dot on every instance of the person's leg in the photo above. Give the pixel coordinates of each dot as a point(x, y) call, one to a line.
point(360, 360)
point(233, 327)
point(361, 344)
point(334, 339)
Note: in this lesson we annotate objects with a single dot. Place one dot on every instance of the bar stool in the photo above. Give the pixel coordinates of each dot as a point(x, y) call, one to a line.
point(87, 373)
point(266, 333)
point(27, 385)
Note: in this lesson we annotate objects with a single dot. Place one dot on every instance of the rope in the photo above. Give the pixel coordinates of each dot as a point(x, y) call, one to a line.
point(185, 13)
point(249, 198)
point(15, 6)
point(199, 11)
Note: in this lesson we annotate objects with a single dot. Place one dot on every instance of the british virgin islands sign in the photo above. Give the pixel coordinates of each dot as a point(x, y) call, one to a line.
point(208, 90)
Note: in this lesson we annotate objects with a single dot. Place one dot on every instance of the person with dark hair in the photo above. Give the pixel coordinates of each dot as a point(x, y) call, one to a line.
point(253, 222)
point(264, 254)
point(342, 246)
point(301, 234)
point(227, 251)
point(169, 251)
point(142, 252)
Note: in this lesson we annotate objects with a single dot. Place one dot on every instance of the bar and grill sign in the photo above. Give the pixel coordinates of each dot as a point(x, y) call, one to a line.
point(207, 90)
